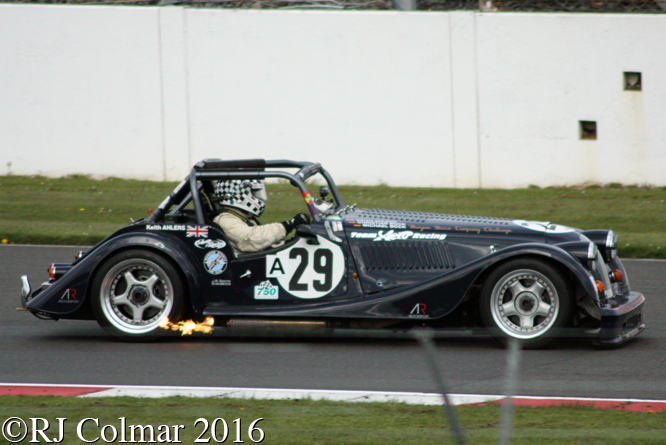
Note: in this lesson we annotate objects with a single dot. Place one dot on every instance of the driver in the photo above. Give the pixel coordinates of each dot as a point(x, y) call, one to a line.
point(240, 203)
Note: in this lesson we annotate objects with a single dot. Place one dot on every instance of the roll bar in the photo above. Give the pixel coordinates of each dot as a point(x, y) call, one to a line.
point(217, 169)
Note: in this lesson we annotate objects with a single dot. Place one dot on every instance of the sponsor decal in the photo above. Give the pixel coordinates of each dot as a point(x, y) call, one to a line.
point(418, 311)
point(442, 228)
point(379, 224)
point(215, 262)
point(169, 227)
point(197, 232)
point(210, 243)
point(68, 297)
point(221, 283)
point(307, 271)
point(421, 228)
point(266, 291)
point(468, 229)
point(497, 230)
point(435, 236)
point(392, 235)
point(363, 235)
point(337, 226)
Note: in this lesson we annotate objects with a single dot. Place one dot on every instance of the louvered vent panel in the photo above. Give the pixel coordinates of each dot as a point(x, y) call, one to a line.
point(407, 216)
point(407, 255)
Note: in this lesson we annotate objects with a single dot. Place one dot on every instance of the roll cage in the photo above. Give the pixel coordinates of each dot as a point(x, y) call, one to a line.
point(208, 170)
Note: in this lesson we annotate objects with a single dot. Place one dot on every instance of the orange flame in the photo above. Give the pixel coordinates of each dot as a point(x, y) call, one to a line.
point(189, 326)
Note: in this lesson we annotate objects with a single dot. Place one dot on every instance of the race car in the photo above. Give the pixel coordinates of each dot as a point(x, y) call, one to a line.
point(349, 268)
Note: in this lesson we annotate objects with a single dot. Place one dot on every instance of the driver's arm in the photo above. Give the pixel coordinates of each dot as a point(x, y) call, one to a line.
point(248, 239)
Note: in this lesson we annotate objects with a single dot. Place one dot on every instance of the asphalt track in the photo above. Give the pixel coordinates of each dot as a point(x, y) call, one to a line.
point(79, 352)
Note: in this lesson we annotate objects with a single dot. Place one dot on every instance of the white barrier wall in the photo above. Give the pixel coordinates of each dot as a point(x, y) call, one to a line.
point(458, 99)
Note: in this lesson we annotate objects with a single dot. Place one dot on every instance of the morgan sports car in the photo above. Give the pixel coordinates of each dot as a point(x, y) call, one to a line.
point(349, 268)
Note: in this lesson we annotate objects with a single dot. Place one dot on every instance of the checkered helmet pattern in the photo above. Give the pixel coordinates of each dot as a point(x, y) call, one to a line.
point(238, 193)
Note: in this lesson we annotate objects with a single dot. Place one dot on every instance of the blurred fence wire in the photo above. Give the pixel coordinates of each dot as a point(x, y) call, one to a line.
point(425, 338)
point(628, 6)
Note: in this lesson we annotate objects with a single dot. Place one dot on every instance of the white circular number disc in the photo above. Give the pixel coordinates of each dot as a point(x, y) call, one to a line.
point(308, 271)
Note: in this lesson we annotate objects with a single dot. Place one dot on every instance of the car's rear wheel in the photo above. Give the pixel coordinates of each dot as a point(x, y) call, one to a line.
point(527, 300)
point(133, 292)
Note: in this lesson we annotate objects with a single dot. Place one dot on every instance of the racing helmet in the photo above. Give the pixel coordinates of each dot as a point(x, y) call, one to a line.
point(243, 194)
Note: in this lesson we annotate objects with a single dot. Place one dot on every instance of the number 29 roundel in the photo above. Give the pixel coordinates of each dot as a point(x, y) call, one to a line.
point(308, 271)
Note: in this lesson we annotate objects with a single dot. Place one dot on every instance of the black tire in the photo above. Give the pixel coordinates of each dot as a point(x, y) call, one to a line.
point(133, 292)
point(525, 299)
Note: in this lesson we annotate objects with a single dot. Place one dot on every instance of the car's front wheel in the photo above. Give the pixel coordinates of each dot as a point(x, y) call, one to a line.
point(525, 299)
point(133, 292)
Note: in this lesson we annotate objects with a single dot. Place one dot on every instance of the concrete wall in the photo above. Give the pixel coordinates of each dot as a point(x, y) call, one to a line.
point(458, 99)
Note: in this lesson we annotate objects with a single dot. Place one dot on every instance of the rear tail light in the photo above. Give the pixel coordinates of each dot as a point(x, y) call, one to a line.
point(616, 275)
point(600, 286)
point(51, 271)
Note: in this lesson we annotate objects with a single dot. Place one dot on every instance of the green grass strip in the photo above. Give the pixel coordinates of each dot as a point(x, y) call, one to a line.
point(308, 422)
point(81, 211)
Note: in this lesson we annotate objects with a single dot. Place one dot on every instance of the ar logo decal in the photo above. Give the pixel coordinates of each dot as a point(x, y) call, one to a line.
point(69, 296)
point(419, 311)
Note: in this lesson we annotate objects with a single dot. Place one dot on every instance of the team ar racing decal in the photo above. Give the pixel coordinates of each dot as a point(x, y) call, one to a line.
point(307, 271)
point(419, 311)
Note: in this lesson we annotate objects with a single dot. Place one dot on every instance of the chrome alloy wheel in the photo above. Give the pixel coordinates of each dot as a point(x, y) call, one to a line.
point(136, 295)
point(524, 304)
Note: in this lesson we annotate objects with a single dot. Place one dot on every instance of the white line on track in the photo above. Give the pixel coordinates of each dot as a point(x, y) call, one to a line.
point(412, 398)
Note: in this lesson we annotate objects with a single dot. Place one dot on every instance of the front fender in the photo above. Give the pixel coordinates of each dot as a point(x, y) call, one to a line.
point(67, 295)
point(549, 251)
point(464, 278)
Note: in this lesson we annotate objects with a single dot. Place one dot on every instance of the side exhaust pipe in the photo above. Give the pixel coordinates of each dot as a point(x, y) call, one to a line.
point(261, 327)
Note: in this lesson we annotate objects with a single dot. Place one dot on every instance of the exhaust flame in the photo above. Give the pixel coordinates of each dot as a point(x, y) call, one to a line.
point(189, 326)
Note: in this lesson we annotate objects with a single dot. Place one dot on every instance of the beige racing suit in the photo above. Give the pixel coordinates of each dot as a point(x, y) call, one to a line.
point(246, 236)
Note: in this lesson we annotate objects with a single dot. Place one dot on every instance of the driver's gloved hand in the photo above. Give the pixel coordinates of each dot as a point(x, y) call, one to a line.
point(296, 221)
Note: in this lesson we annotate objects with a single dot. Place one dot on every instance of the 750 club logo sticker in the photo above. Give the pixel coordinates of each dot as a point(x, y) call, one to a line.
point(308, 271)
point(266, 291)
point(215, 262)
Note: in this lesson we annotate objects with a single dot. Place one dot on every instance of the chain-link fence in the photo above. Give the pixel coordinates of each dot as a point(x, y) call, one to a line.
point(645, 6)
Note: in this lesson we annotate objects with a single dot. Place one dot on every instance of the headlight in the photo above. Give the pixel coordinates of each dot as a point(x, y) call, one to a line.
point(591, 256)
point(611, 245)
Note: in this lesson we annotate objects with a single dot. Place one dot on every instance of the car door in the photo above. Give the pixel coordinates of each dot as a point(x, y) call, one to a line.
point(303, 271)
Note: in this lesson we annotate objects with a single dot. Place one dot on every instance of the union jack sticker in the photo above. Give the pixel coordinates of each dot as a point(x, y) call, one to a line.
point(197, 232)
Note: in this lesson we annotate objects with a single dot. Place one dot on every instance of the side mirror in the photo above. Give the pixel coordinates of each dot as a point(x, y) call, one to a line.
point(324, 191)
point(305, 231)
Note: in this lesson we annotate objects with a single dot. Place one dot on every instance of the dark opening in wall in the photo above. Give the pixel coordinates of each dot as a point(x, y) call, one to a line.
point(632, 82)
point(588, 129)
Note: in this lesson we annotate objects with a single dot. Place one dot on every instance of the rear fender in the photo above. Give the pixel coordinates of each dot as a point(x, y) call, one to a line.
point(68, 294)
